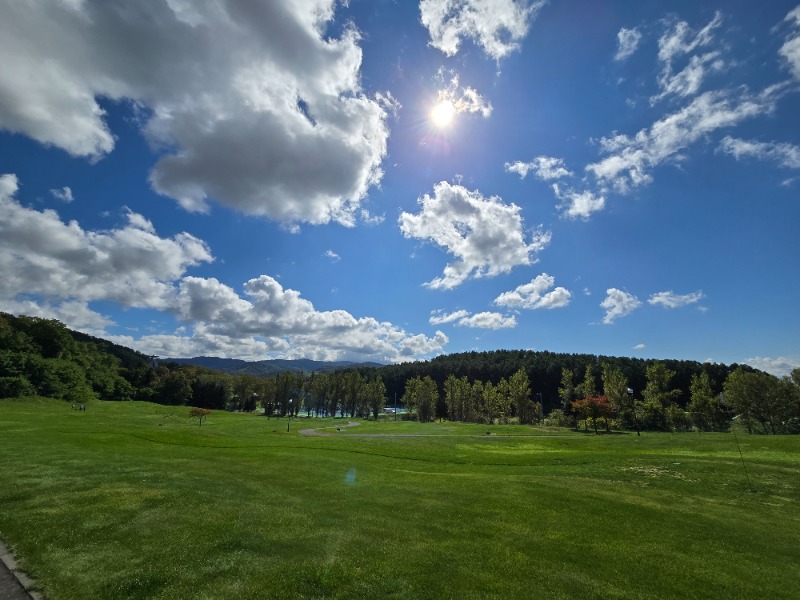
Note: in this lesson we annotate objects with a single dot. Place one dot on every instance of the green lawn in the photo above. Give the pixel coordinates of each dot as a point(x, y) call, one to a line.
point(134, 500)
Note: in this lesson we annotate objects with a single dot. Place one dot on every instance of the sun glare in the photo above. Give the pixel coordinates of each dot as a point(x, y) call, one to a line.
point(443, 113)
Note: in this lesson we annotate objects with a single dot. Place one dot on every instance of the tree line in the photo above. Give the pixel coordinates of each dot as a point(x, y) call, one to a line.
point(43, 357)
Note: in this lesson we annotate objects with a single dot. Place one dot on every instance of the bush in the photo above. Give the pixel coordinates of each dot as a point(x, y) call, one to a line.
point(15, 387)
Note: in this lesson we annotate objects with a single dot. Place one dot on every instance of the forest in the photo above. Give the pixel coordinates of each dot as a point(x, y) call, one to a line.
point(43, 357)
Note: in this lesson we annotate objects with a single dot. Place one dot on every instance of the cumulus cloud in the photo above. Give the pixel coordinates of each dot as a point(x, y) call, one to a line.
point(639, 347)
point(497, 26)
point(578, 205)
point(673, 300)
point(543, 167)
point(790, 50)
point(536, 294)
point(74, 314)
point(56, 269)
point(779, 366)
point(64, 194)
point(251, 105)
point(786, 155)
point(618, 304)
point(282, 318)
point(630, 160)
point(42, 255)
point(680, 40)
point(484, 234)
point(627, 43)
point(332, 256)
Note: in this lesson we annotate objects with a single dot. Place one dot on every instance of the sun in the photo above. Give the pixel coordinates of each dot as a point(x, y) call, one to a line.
point(442, 113)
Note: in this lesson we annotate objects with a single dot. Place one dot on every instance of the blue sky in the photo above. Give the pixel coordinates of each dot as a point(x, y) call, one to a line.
point(380, 180)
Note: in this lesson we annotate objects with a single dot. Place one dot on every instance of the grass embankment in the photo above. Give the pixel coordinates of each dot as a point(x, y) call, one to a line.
point(136, 501)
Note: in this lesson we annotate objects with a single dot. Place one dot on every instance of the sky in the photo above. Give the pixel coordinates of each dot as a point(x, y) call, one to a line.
point(394, 180)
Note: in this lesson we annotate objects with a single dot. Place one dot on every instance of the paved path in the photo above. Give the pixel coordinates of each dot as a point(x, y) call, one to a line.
point(318, 431)
point(14, 585)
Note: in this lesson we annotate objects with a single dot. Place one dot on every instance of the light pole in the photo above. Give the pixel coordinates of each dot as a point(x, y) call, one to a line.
point(289, 416)
point(633, 408)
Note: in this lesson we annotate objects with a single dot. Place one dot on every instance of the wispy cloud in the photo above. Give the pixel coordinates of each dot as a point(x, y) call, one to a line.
point(64, 194)
point(332, 255)
point(482, 320)
point(673, 300)
point(489, 320)
point(631, 160)
point(463, 99)
point(543, 167)
point(627, 43)
point(790, 50)
point(440, 318)
point(786, 155)
point(682, 40)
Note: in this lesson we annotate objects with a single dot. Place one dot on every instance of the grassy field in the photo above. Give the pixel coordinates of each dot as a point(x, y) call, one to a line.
point(134, 500)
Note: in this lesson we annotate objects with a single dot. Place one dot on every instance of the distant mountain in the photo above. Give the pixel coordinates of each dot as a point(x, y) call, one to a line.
point(269, 367)
point(209, 362)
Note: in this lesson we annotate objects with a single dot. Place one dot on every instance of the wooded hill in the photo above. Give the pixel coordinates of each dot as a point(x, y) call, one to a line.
point(544, 369)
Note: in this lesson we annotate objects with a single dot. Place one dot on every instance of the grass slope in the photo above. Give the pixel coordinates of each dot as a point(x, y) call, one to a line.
point(133, 500)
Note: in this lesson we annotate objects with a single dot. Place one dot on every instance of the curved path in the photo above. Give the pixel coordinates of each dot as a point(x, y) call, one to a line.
point(318, 431)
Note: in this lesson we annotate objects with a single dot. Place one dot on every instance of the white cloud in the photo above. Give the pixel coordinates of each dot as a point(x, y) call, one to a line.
point(64, 194)
point(786, 155)
point(251, 105)
point(618, 304)
point(482, 320)
point(440, 318)
point(332, 255)
point(778, 366)
point(790, 50)
point(484, 234)
point(281, 318)
point(535, 295)
point(543, 167)
point(463, 99)
point(639, 347)
point(673, 300)
point(682, 40)
point(631, 159)
point(497, 26)
point(75, 315)
point(687, 82)
point(369, 219)
point(489, 320)
point(578, 205)
point(42, 255)
point(55, 269)
point(628, 41)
